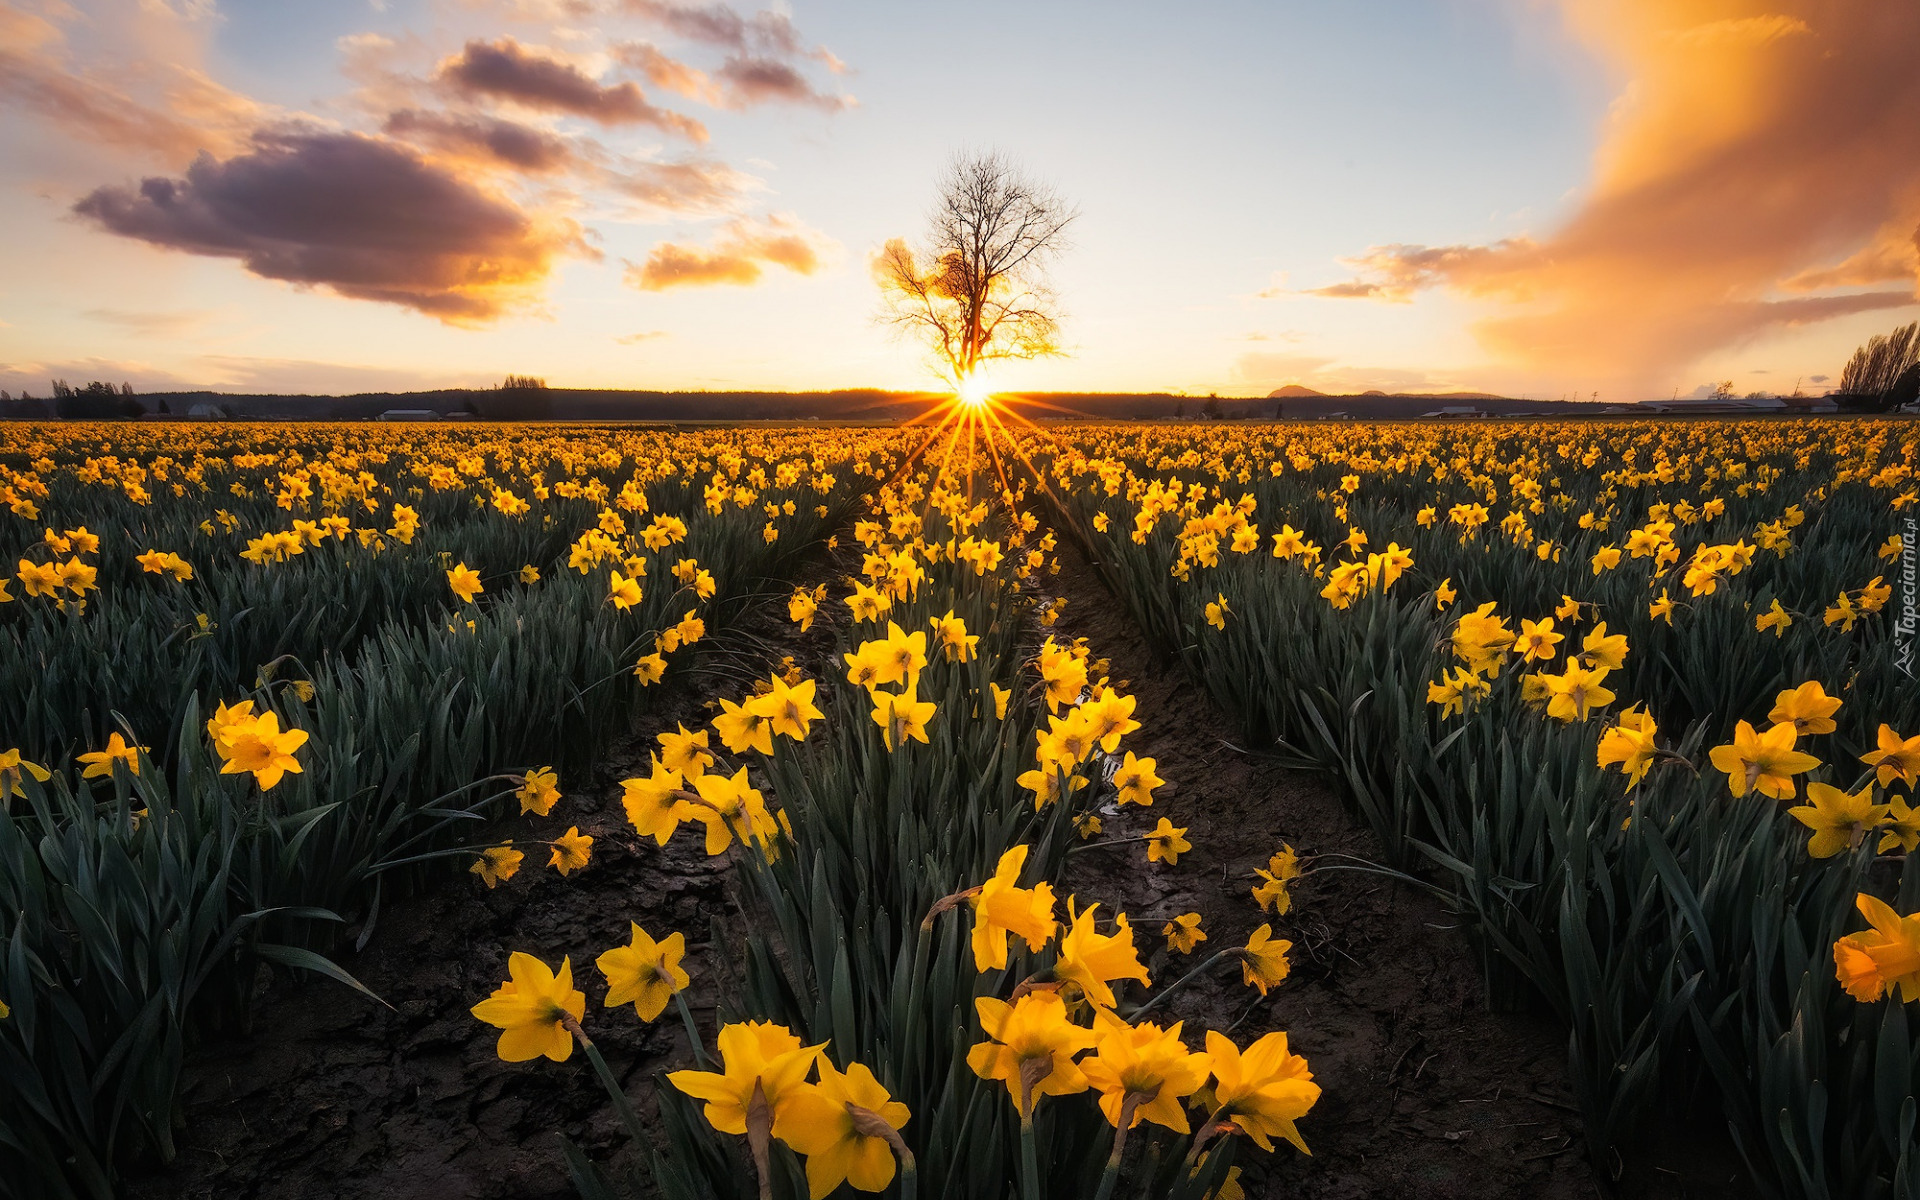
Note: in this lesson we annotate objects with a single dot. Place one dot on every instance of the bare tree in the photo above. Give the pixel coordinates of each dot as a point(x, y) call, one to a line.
point(977, 291)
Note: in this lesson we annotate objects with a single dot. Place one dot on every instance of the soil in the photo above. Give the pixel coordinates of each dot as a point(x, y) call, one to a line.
point(1426, 1094)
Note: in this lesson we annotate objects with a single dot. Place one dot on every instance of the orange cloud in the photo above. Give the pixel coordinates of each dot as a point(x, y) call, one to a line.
point(667, 73)
point(182, 112)
point(360, 216)
point(742, 81)
point(738, 256)
point(1757, 150)
point(686, 186)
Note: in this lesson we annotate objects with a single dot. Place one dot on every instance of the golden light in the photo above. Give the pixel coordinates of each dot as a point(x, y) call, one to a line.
point(974, 392)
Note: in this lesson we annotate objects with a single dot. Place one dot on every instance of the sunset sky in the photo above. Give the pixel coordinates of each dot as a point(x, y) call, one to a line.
point(1535, 197)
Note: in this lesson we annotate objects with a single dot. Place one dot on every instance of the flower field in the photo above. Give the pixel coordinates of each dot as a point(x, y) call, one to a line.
point(1624, 698)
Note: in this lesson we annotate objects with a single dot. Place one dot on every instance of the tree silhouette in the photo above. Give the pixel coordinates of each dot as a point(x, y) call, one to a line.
point(1884, 373)
point(977, 290)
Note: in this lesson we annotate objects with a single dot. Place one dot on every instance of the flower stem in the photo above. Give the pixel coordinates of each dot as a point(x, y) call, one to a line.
point(1029, 1160)
point(628, 1116)
point(693, 1030)
point(1181, 982)
point(1128, 1105)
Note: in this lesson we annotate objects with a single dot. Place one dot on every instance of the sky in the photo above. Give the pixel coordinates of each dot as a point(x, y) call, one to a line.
point(1595, 199)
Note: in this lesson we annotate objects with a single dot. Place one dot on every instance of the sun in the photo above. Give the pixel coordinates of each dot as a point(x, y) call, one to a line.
point(974, 392)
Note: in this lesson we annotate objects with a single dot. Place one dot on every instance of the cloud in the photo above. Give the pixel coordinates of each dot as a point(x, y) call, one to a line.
point(666, 73)
point(687, 187)
point(749, 80)
point(719, 25)
point(484, 139)
point(1754, 152)
point(360, 216)
point(1278, 369)
point(507, 70)
point(768, 34)
point(1268, 371)
point(243, 374)
point(188, 112)
point(645, 335)
point(36, 378)
point(297, 376)
point(1892, 256)
point(1393, 274)
point(151, 324)
point(741, 82)
point(738, 256)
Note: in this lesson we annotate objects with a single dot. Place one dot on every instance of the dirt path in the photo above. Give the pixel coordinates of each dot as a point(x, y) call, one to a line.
point(1426, 1095)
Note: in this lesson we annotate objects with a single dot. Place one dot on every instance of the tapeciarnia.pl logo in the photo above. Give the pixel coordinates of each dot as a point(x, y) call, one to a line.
point(1906, 622)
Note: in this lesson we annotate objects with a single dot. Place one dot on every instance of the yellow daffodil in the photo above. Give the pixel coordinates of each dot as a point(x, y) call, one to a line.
point(644, 973)
point(1629, 745)
point(464, 582)
point(532, 1008)
point(846, 1126)
point(1775, 619)
point(763, 1065)
point(1183, 933)
point(902, 716)
point(1263, 960)
point(1145, 1069)
point(657, 804)
point(789, 710)
point(1807, 708)
point(1092, 959)
point(1134, 780)
point(1882, 957)
point(1894, 758)
point(1839, 820)
point(100, 763)
point(260, 747)
point(1765, 762)
point(13, 768)
point(571, 851)
point(742, 727)
point(1262, 1090)
point(538, 791)
point(1608, 652)
point(1032, 1048)
point(1002, 908)
point(1900, 828)
point(1166, 844)
point(497, 864)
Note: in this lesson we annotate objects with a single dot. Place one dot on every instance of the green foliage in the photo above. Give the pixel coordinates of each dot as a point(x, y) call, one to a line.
point(1682, 934)
point(131, 923)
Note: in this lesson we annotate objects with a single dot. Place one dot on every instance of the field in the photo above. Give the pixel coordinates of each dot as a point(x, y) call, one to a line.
point(959, 810)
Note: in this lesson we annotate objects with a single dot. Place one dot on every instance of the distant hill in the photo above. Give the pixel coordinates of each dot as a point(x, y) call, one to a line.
point(1292, 391)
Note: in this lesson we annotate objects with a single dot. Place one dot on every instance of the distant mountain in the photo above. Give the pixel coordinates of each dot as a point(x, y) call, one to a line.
point(1292, 391)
